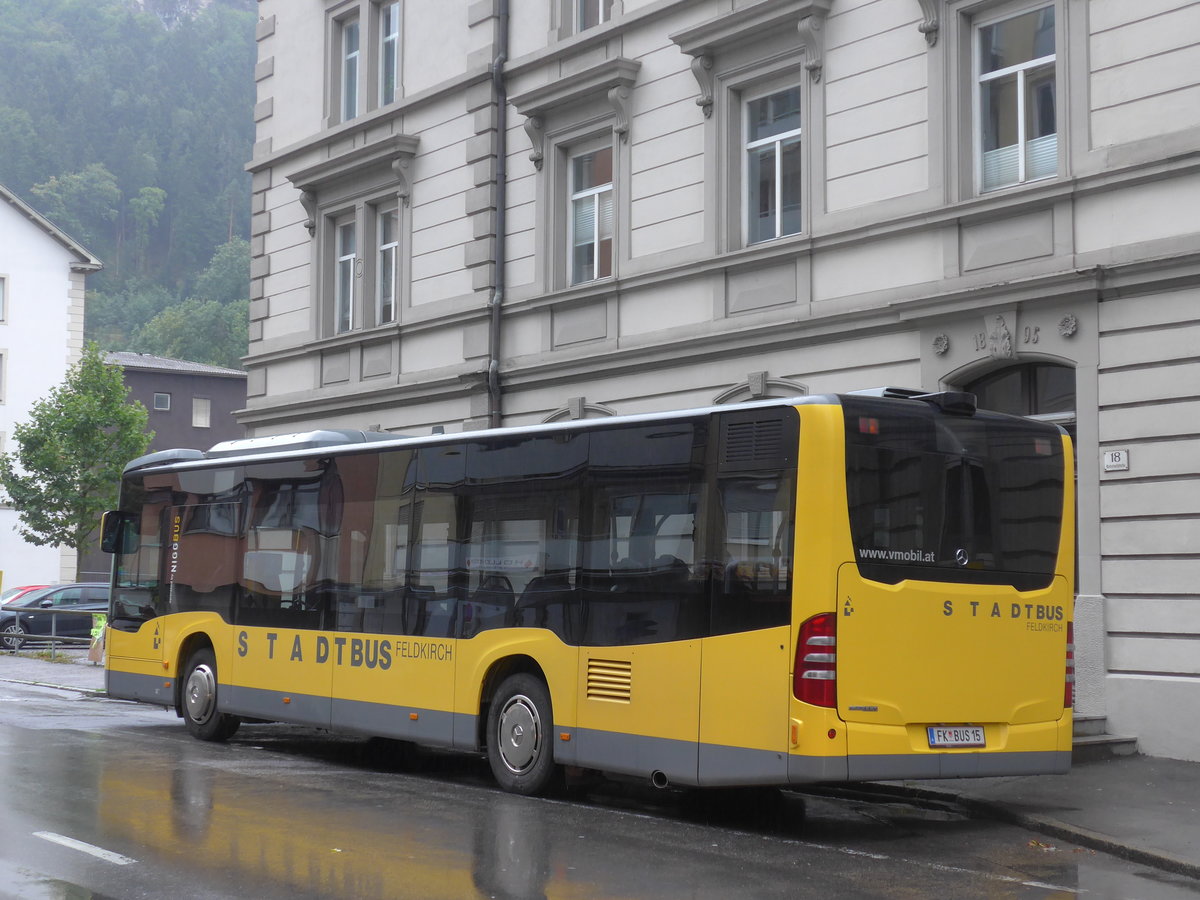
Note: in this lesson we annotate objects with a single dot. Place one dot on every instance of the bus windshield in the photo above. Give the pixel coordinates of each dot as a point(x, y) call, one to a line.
point(940, 497)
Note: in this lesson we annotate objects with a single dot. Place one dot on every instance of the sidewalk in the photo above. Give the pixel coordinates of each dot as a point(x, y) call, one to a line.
point(1140, 808)
point(71, 670)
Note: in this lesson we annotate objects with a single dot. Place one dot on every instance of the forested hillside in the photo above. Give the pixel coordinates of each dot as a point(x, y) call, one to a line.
point(128, 124)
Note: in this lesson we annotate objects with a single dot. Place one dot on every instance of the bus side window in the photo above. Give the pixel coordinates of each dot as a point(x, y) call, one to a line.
point(751, 587)
point(295, 513)
point(367, 580)
point(432, 594)
point(641, 584)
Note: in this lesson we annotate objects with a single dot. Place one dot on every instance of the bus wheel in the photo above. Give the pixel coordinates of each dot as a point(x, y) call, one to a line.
point(200, 700)
point(520, 749)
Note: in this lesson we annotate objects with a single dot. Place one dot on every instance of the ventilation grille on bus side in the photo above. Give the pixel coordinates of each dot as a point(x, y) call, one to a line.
point(754, 442)
point(610, 679)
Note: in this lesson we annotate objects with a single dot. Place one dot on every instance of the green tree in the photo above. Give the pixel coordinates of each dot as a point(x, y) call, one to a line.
point(114, 317)
point(198, 330)
point(67, 467)
point(85, 204)
point(144, 210)
point(227, 276)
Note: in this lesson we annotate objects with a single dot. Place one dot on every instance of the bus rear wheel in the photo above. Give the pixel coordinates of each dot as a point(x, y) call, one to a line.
point(519, 727)
point(199, 704)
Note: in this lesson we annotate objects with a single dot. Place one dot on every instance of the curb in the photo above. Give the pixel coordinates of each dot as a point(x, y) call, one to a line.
point(98, 692)
point(77, 689)
point(1050, 826)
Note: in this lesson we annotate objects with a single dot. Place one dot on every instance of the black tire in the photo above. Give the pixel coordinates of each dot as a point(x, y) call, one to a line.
point(13, 635)
point(520, 736)
point(198, 700)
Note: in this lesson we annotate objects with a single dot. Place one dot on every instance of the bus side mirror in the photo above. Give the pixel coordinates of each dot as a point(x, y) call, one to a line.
point(115, 532)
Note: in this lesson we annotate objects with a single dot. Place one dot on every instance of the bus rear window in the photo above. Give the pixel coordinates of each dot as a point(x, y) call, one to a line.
point(940, 497)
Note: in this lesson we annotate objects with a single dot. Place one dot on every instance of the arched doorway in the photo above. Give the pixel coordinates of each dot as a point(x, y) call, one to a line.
point(1040, 390)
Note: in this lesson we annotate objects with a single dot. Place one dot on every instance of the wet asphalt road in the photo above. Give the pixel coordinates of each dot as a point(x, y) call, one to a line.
point(108, 799)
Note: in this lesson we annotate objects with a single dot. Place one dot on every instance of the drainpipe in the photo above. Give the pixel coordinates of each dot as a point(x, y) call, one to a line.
point(500, 97)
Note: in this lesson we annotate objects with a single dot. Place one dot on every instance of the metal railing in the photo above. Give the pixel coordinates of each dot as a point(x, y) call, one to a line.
point(54, 639)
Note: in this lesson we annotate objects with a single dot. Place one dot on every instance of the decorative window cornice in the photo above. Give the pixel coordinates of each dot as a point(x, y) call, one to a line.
point(759, 20)
point(613, 77)
point(393, 154)
point(929, 20)
point(752, 23)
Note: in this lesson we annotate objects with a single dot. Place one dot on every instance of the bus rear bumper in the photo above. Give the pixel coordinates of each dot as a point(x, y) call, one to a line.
point(958, 765)
point(904, 766)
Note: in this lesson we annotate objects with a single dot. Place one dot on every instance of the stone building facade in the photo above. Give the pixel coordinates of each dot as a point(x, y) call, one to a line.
point(479, 212)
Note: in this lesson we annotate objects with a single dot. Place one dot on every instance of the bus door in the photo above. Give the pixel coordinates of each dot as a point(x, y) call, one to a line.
point(745, 687)
point(201, 570)
point(282, 663)
point(134, 649)
point(644, 607)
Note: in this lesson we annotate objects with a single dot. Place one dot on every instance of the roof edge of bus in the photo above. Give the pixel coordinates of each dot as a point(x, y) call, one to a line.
point(303, 440)
point(304, 443)
point(160, 457)
point(955, 403)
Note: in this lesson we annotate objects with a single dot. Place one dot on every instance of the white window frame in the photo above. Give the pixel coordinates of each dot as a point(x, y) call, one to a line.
point(161, 401)
point(346, 269)
point(350, 62)
point(792, 136)
point(387, 257)
point(201, 412)
point(980, 79)
point(603, 10)
point(389, 12)
point(596, 194)
point(3, 298)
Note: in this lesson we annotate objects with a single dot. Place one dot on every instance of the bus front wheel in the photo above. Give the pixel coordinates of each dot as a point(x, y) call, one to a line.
point(200, 700)
point(520, 722)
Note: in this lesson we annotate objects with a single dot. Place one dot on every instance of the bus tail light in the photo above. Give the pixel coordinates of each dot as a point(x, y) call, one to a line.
point(815, 679)
point(1069, 686)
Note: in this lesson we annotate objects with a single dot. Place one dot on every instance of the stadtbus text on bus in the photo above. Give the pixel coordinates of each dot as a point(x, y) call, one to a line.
point(873, 585)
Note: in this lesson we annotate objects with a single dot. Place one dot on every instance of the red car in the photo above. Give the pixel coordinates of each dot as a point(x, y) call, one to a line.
point(13, 593)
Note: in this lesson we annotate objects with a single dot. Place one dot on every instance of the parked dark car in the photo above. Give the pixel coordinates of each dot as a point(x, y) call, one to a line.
point(32, 616)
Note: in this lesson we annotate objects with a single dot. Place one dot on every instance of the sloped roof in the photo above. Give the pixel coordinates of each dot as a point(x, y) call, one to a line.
point(129, 360)
point(85, 261)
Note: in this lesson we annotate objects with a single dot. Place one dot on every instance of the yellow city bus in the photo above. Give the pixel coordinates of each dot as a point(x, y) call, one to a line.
point(875, 585)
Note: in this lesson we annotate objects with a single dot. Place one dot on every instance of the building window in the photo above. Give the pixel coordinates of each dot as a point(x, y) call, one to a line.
point(346, 248)
point(357, 206)
point(772, 165)
point(1016, 103)
point(162, 402)
point(349, 69)
point(389, 52)
point(1042, 390)
point(591, 176)
point(3, 299)
point(388, 231)
point(590, 13)
point(201, 412)
point(363, 72)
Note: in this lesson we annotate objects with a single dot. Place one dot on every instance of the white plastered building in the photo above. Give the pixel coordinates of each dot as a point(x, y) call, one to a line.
point(42, 274)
